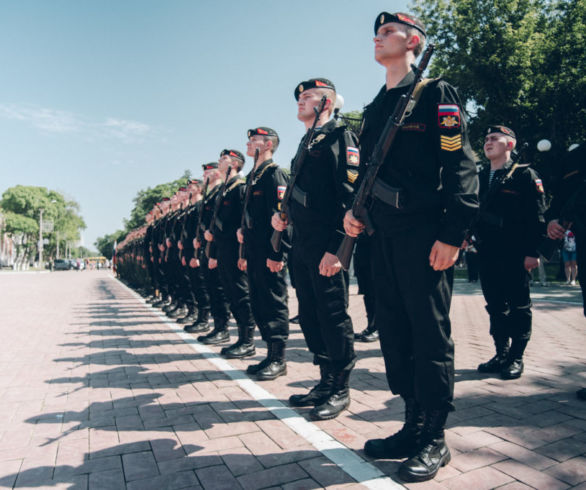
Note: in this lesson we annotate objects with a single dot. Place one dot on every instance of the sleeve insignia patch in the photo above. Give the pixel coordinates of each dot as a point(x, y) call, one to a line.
point(539, 186)
point(420, 127)
point(281, 191)
point(448, 116)
point(352, 176)
point(353, 156)
point(257, 193)
point(451, 143)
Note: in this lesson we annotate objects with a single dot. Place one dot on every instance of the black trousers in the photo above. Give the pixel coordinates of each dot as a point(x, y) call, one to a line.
point(412, 314)
point(323, 318)
point(363, 273)
point(218, 302)
point(505, 285)
point(235, 283)
point(268, 299)
point(199, 295)
point(581, 262)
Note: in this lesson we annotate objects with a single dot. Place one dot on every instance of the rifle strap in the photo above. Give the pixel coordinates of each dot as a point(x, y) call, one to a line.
point(417, 95)
point(261, 173)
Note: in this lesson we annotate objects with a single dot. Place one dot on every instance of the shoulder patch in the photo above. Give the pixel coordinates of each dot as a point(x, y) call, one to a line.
point(352, 175)
point(353, 156)
point(539, 186)
point(281, 191)
point(448, 116)
point(451, 143)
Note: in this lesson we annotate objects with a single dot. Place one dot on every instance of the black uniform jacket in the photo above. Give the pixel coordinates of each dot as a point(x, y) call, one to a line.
point(229, 212)
point(269, 182)
point(326, 179)
point(511, 219)
point(430, 160)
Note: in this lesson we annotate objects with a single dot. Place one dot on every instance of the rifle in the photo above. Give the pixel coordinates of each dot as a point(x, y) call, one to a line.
point(249, 183)
point(217, 205)
point(295, 169)
point(379, 154)
point(200, 216)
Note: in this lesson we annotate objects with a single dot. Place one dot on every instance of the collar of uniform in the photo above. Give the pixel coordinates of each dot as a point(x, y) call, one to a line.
point(262, 166)
point(326, 128)
point(407, 80)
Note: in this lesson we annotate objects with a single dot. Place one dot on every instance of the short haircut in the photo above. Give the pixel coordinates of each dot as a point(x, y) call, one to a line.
point(412, 31)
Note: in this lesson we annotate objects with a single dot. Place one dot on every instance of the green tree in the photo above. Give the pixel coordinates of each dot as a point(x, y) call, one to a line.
point(146, 198)
point(105, 244)
point(518, 62)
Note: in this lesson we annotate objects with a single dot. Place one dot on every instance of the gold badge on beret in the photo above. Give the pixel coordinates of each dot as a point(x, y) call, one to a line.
point(301, 88)
point(382, 19)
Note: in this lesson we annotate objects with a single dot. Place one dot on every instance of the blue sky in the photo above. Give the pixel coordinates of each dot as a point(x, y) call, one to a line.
point(99, 99)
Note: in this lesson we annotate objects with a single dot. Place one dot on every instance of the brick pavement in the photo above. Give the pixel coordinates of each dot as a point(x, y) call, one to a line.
point(97, 391)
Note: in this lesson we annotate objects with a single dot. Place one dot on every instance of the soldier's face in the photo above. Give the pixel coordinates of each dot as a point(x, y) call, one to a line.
point(390, 42)
point(255, 142)
point(307, 101)
point(224, 164)
point(496, 145)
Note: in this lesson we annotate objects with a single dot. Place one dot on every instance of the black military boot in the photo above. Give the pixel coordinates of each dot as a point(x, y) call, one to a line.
point(218, 335)
point(404, 443)
point(337, 401)
point(433, 453)
point(496, 364)
point(245, 345)
point(255, 368)
point(319, 393)
point(369, 334)
point(190, 316)
point(171, 306)
point(162, 301)
point(201, 324)
point(276, 366)
point(513, 367)
point(180, 311)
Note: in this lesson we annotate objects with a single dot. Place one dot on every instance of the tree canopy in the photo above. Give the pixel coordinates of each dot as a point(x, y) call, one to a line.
point(517, 62)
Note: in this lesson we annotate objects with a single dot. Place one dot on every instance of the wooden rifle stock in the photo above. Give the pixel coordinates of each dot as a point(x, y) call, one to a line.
point(381, 150)
point(277, 236)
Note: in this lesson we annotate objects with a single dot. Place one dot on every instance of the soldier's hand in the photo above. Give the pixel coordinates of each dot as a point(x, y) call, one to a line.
point(555, 231)
point(352, 226)
point(530, 263)
point(208, 236)
point(180, 245)
point(239, 235)
point(442, 256)
point(242, 265)
point(275, 266)
point(183, 261)
point(212, 263)
point(329, 265)
point(194, 263)
point(277, 223)
point(196, 243)
point(168, 243)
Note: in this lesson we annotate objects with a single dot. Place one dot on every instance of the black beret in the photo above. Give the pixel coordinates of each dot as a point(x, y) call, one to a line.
point(263, 131)
point(210, 165)
point(385, 18)
point(166, 199)
point(194, 181)
point(499, 128)
point(313, 83)
point(233, 153)
point(182, 189)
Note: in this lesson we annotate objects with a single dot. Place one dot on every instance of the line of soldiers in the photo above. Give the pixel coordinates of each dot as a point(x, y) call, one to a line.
point(207, 251)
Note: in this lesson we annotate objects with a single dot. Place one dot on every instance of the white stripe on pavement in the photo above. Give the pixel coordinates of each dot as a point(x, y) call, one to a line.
point(359, 469)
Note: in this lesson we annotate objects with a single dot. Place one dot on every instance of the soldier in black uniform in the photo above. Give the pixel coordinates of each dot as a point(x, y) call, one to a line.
point(199, 297)
point(322, 192)
point(264, 266)
point(568, 210)
point(218, 302)
point(224, 254)
point(363, 273)
point(509, 229)
point(424, 200)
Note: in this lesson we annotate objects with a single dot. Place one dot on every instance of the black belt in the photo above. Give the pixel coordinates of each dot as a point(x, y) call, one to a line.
point(393, 196)
point(299, 196)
